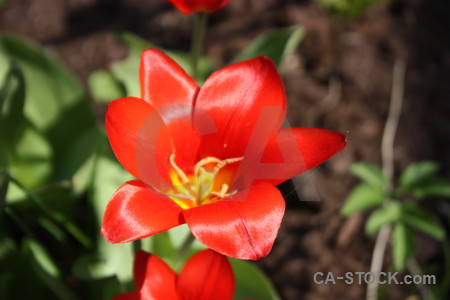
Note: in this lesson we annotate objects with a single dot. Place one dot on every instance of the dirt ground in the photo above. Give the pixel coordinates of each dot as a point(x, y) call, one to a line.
point(313, 237)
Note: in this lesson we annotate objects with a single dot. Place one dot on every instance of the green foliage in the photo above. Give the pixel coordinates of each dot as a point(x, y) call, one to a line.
point(105, 87)
point(26, 154)
point(385, 215)
point(417, 173)
point(370, 174)
point(53, 101)
point(347, 8)
point(362, 198)
point(432, 187)
point(419, 180)
point(276, 45)
point(418, 218)
point(403, 243)
point(4, 182)
point(122, 80)
point(251, 283)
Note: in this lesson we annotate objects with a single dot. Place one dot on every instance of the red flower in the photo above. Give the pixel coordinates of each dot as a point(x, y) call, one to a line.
point(208, 157)
point(206, 276)
point(191, 6)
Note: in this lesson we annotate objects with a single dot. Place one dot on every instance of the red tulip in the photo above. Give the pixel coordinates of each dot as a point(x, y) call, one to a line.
point(208, 157)
point(191, 6)
point(206, 276)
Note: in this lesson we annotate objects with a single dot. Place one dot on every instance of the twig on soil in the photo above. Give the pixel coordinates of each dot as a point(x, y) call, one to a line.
point(387, 156)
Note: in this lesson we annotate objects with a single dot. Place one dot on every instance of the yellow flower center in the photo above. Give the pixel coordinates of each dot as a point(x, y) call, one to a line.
point(197, 189)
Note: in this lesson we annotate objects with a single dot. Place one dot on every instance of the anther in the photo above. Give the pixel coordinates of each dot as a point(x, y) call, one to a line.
point(219, 163)
point(205, 161)
point(225, 162)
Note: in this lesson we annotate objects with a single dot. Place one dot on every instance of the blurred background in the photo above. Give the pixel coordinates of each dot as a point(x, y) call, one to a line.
point(339, 78)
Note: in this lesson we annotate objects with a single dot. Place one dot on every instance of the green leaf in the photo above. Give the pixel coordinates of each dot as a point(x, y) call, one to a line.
point(432, 187)
point(114, 259)
point(43, 258)
point(105, 87)
point(162, 246)
point(31, 159)
point(179, 234)
point(4, 182)
point(44, 203)
point(26, 153)
point(276, 45)
point(251, 283)
point(12, 100)
point(51, 88)
point(362, 198)
point(417, 173)
point(347, 8)
point(370, 174)
point(420, 219)
point(403, 243)
point(54, 100)
point(79, 151)
point(386, 215)
point(19, 278)
point(47, 270)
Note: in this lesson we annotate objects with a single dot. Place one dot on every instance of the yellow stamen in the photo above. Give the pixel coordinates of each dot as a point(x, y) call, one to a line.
point(220, 163)
point(195, 190)
point(225, 162)
point(223, 191)
point(177, 169)
point(205, 161)
point(181, 196)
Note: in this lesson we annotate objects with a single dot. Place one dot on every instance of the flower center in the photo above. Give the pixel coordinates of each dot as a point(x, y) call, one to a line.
point(197, 189)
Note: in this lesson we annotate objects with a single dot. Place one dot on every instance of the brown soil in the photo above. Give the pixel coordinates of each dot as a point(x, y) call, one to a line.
point(313, 237)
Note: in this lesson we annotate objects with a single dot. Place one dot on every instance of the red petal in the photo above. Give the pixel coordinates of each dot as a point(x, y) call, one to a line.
point(206, 275)
point(154, 278)
point(241, 98)
point(163, 81)
point(143, 142)
point(303, 148)
point(128, 296)
point(136, 211)
point(191, 6)
point(243, 226)
point(124, 119)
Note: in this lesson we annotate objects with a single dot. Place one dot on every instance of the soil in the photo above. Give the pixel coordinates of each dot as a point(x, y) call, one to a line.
point(313, 237)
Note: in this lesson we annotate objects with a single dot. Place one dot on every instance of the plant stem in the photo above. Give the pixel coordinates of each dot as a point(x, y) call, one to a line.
point(414, 269)
point(395, 109)
point(184, 248)
point(387, 156)
point(197, 41)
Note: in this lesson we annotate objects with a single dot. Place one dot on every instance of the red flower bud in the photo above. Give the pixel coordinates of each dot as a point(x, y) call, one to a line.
point(206, 275)
point(191, 6)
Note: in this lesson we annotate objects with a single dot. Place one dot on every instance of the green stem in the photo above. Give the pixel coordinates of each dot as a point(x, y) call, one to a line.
point(197, 41)
point(184, 249)
point(137, 245)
